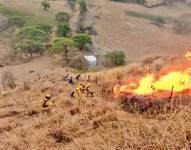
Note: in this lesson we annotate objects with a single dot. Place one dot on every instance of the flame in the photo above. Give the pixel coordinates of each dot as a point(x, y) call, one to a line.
point(188, 55)
point(178, 81)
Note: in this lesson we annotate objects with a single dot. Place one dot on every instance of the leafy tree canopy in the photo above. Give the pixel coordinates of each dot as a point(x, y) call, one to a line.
point(117, 57)
point(62, 17)
point(32, 33)
point(82, 39)
point(63, 29)
point(60, 43)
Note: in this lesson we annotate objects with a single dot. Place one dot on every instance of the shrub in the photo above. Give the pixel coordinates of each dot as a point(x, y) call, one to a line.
point(8, 80)
point(16, 20)
point(45, 5)
point(62, 17)
point(31, 40)
point(82, 39)
point(83, 6)
point(44, 27)
point(63, 29)
point(31, 33)
point(71, 3)
point(140, 2)
point(79, 62)
point(117, 57)
point(63, 45)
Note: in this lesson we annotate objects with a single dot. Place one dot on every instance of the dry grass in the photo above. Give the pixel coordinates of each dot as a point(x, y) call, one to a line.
point(98, 124)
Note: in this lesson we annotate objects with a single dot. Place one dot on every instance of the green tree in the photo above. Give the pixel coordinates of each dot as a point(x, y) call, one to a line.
point(83, 6)
point(72, 3)
point(16, 20)
point(63, 45)
point(31, 46)
point(117, 57)
point(141, 2)
point(45, 5)
point(82, 16)
point(63, 29)
point(62, 17)
point(44, 27)
point(31, 40)
point(82, 39)
point(32, 33)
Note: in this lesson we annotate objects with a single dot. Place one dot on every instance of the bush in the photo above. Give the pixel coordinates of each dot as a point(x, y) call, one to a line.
point(45, 5)
point(62, 17)
point(82, 39)
point(8, 80)
point(79, 62)
point(146, 16)
point(31, 40)
point(31, 33)
point(72, 3)
point(64, 46)
point(117, 57)
point(83, 6)
point(63, 29)
point(16, 20)
point(140, 2)
point(44, 27)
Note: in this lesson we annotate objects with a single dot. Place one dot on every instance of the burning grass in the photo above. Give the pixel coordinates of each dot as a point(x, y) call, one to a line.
point(94, 123)
point(174, 79)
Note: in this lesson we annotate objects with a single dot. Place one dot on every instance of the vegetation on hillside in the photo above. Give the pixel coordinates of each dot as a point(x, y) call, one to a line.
point(29, 18)
point(62, 17)
point(45, 5)
point(117, 57)
point(72, 3)
point(154, 18)
point(31, 40)
point(141, 2)
point(63, 45)
point(82, 39)
point(63, 29)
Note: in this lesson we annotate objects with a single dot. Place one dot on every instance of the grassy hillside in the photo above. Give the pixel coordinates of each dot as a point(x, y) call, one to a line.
point(30, 18)
point(91, 123)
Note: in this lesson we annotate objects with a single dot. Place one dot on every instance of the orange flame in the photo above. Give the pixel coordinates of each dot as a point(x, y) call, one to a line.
point(179, 81)
point(188, 55)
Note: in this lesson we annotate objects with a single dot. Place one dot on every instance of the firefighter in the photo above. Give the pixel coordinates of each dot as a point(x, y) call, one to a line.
point(81, 87)
point(75, 94)
point(89, 92)
point(78, 77)
point(47, 102)
point(71, 80)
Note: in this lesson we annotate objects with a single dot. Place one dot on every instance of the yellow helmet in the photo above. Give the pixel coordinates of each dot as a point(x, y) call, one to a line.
point(48, 96)
point(88, 85)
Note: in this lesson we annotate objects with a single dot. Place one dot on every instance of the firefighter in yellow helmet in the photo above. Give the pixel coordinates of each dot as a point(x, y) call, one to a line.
point(88, 90)
point(81, 87)
point(76, 94)
point(47, 102)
